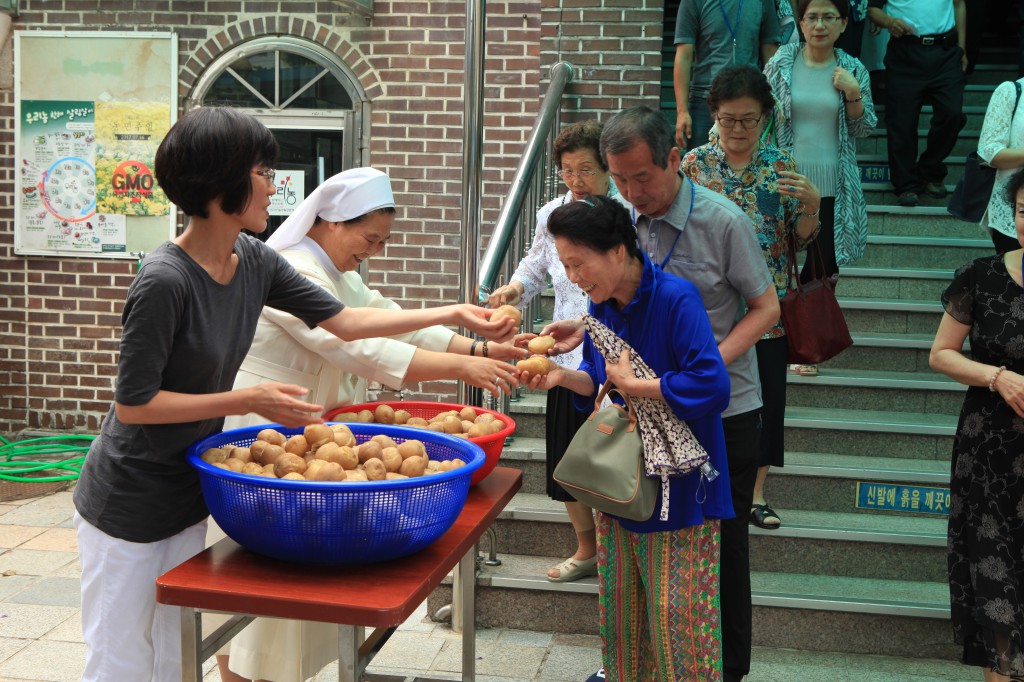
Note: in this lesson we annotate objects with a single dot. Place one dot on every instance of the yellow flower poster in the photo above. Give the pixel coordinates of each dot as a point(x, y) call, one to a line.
point(127, 136)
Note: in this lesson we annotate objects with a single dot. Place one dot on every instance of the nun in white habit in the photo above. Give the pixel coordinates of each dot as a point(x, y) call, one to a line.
point(341, 223)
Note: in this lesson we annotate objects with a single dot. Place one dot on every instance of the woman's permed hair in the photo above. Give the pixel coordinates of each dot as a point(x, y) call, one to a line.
point(842, 8)
point(736, 82)
point(209, 155)
point(1013, 188)
point(597, 222)
point(582, 135)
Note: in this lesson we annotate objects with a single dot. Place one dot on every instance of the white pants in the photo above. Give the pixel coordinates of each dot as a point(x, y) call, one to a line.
point(129, 636)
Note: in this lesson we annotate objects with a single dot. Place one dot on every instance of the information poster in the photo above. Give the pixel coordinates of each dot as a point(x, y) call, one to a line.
point(291, 188)
point(90, 111)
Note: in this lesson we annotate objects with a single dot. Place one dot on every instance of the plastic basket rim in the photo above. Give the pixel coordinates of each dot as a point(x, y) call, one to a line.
point(478, 459)
point(509, 429)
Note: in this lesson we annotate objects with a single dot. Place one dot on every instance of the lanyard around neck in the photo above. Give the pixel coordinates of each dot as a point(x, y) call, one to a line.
point(679, 233)
point(739, 12)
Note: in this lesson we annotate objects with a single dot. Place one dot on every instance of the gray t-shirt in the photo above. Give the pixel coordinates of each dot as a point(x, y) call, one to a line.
point(815, 112)
point(186, 333)
point(718, 251)
point(723, 35)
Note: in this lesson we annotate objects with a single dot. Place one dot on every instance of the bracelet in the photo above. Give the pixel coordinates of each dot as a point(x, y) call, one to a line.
point(472, 349)
point(811, 215)
point(485, 348)
point(853, 101)
point(992, 381)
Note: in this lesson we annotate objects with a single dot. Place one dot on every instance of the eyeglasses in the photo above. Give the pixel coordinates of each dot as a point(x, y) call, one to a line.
point(745, 123)
point(267, 174)
point(568, 174)
point(824, 19)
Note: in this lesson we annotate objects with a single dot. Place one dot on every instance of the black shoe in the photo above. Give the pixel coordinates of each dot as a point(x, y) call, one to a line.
point(936, 190)
point(908, 199)
point(597, 677)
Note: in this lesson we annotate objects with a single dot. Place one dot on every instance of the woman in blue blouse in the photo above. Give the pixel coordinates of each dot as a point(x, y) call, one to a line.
point(658, 579)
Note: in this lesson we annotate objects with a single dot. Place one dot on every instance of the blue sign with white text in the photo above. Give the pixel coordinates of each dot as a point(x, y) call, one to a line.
point(904, 498)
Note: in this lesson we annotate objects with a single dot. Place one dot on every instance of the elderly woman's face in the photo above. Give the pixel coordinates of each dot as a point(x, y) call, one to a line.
point(598, 274)
point(740, 122)
point(582, 173)
point(822, 24)
point(352, 244)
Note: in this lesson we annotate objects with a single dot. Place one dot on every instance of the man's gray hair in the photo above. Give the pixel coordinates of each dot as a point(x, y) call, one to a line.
point(629, 127)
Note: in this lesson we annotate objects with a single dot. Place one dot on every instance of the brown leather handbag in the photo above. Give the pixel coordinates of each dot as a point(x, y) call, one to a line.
point(815, 327)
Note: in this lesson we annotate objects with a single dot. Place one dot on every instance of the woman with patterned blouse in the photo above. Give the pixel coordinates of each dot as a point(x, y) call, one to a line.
point(579, 162)
point(824, 104)
point(783, 207)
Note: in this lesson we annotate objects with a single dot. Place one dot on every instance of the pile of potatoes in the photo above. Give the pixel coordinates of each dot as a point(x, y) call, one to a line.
point(328, 453)
point(464, 423)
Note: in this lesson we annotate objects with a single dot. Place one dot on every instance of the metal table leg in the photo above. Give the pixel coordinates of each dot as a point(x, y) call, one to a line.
point(350, 667)
point(467, 590)
point(191, 644)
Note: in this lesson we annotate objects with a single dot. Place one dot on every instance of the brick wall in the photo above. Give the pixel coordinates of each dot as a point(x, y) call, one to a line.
point(59, 317)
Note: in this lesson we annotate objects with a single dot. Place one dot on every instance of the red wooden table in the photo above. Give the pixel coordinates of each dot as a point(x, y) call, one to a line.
point(227, 578)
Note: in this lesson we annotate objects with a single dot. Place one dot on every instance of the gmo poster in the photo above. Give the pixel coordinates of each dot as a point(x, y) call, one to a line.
point(90, 114)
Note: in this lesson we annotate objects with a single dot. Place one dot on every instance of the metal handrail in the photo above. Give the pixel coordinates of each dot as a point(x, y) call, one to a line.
point(536, 146)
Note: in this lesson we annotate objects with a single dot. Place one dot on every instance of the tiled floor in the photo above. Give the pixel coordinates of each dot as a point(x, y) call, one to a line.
point(41, 639)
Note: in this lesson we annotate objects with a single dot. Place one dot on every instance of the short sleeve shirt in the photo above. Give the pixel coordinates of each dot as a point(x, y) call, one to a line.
point(724, 33)
point(717, 251)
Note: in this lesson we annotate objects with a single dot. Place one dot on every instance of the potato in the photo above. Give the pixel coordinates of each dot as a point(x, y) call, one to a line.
point(433, 464)
point(234, 464)
point(343, 435)
point(392, 459)
point(221, 465)
point(364, 416)
point(356, 475)
point(385, 441)
point(456, 463)
point(484, 418)
point(452, 424)
point(256, 450)
point(214, 456)
point(436, 426)
point(541, 345)
point(244, 454)
point(313, 470)
point(394, 477)
point(288, 464)
point(375, 469)
point(536, 365)
point(344, 417)
point(317, 434)
point(467, 414)
point(384, 414)
point(467, 425)
point(252, 468)
point(401, 416)
point(296, 445)
point(507, 311)
point(332, 471)
point(418, 422)
point(369, 450)
point(268, 470)
point(272, 453)
point(271, 436)
point(347, 458)
point(445, 466)
point(328, 452)
point(413, 466)
point(478, 430)
point(411, 448)
point(293, 476)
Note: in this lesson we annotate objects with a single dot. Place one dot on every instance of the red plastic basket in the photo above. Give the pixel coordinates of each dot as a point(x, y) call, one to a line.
point(491, 445)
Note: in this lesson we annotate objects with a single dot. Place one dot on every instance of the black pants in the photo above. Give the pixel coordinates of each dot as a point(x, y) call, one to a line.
point(916, 74)
point(825, 244)
point(743, 448)
point(771, 370)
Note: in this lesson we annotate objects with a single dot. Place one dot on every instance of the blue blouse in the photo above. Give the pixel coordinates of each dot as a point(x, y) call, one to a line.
point(667, 325)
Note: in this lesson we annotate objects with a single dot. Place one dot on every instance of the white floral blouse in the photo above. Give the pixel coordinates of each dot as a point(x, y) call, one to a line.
point(1001, 130)
point(541, 262)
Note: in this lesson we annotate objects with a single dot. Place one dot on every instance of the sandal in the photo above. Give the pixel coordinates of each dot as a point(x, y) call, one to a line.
point(807, 370)
point(760, 513)
point(574, 569)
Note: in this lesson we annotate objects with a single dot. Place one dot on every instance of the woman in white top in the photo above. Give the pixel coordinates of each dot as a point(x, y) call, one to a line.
point(340, 224)
point(577, 153)
point(1001, 146)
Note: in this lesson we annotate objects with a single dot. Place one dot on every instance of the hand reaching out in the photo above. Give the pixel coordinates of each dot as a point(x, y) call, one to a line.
point(280, 404)
point(568, 334)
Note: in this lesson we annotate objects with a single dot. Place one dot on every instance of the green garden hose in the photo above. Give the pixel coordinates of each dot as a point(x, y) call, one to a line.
point(13, 466)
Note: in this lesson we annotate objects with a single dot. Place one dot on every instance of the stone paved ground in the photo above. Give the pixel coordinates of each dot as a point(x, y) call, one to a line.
point(41, 639)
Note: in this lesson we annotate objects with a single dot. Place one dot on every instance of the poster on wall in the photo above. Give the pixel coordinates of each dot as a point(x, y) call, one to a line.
point(89, 116)
point(291, 189)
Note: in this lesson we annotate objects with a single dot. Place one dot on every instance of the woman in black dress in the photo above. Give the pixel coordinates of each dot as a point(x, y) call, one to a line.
point(986, 518)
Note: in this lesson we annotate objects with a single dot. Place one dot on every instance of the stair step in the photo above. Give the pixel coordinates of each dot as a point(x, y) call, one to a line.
point(871, 420)
point(875, 389)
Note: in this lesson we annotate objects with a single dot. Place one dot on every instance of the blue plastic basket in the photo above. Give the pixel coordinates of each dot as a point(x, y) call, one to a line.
point(331, 523)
